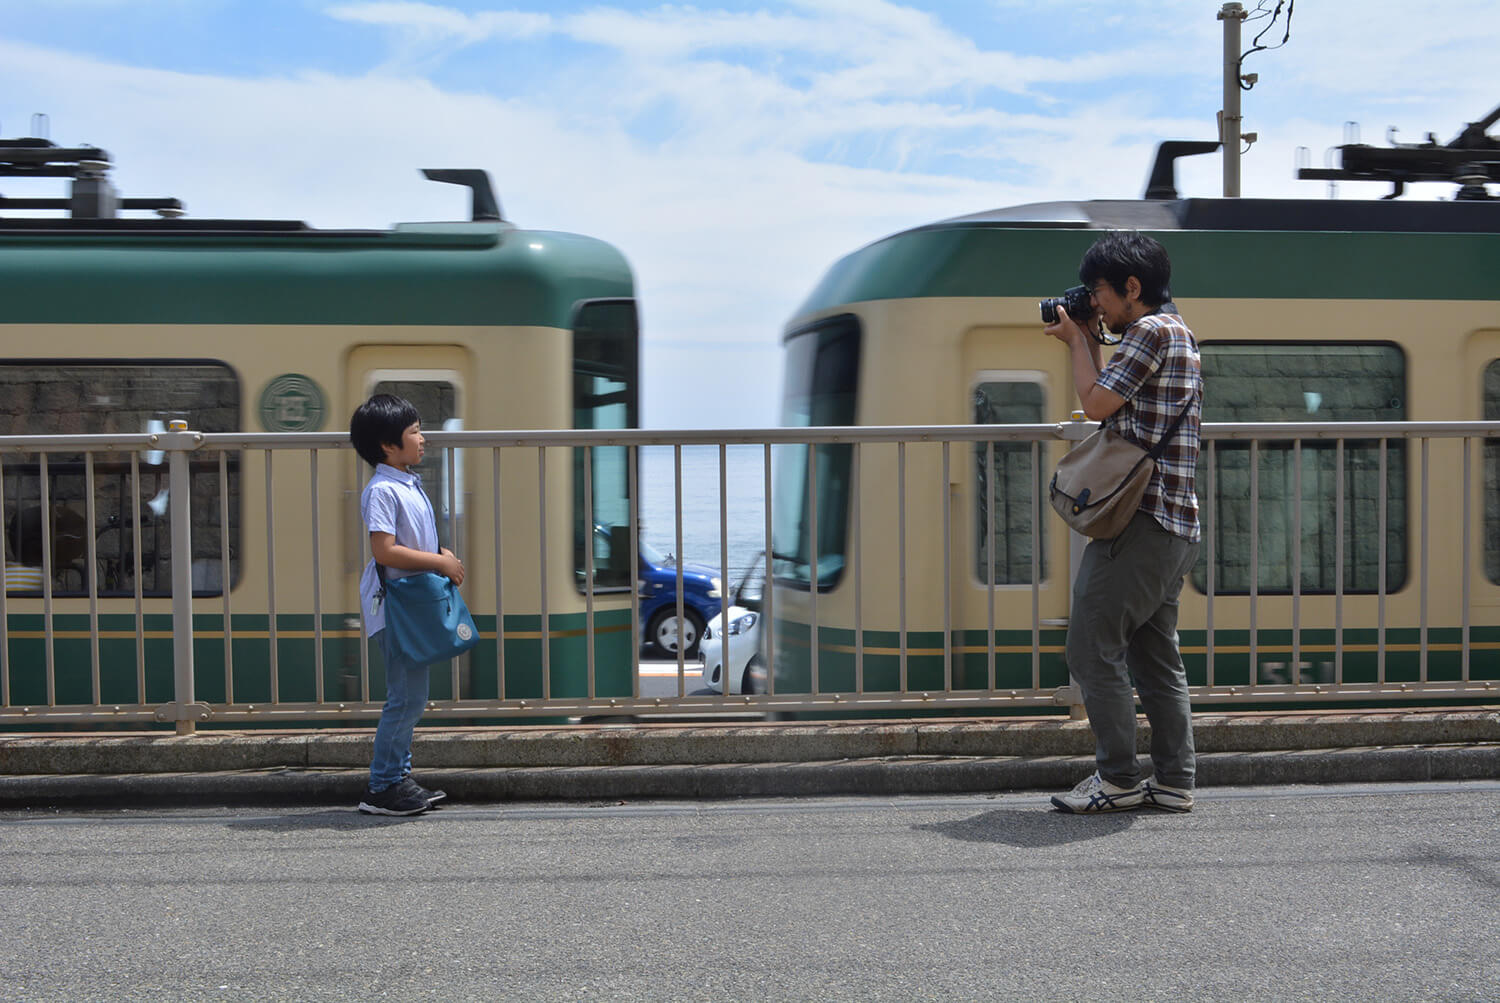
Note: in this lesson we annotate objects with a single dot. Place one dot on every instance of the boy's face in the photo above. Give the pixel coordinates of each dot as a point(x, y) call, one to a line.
point(409, 453)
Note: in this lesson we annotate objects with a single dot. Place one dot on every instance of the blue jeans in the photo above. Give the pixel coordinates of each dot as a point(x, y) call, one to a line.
point(405, 699)
point(1123, 629)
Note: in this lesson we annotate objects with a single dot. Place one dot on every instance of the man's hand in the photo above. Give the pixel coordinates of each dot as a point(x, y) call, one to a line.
point(1065, 329)
point(1097, 402)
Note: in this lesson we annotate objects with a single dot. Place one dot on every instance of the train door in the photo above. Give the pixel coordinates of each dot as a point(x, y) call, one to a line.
point(434, 379)
point(1004, 536)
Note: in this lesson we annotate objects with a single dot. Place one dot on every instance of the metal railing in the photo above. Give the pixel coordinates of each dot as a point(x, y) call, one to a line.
point(954, 671)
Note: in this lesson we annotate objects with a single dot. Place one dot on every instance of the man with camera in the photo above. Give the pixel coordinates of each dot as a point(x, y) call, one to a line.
point(1123, 625)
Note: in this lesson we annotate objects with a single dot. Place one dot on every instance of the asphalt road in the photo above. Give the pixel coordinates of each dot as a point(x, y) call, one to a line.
point(1377, 892)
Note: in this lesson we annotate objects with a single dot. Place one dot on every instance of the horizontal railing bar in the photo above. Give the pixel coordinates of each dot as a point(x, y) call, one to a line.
point(77, 712)
point(1272, 431)
point(534, 438)
point(1261, 692)
point(102, 443)
point(1332, 430)
point(584, 707)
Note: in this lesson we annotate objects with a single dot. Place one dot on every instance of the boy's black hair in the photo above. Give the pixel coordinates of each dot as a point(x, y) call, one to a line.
point(1117, 256)
point(380, 421)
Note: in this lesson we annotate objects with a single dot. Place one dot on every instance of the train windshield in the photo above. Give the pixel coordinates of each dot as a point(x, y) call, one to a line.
point(605, 395)
point(822, 371)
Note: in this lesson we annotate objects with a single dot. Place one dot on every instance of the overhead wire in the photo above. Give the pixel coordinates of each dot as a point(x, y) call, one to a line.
point(1275, 16)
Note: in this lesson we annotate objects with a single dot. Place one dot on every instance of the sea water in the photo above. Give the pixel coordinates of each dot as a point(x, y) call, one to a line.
point(743, 500)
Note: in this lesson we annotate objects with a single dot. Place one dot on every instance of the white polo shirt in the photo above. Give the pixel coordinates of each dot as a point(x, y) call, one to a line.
point(393, 502)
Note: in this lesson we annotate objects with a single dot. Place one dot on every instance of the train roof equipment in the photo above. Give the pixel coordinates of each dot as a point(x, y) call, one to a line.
point(94, 203)
point(1471, 160)
point(92, 196)
point(482, 270)
point(1346, 247)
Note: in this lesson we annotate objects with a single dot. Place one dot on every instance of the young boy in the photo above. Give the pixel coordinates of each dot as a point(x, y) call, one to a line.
point(387, 433)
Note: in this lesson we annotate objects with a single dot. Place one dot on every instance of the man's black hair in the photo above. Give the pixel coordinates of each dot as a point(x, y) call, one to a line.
point(380, 421)
point(1117, 256)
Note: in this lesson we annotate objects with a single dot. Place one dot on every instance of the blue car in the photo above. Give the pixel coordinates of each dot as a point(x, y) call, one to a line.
point(702, 598)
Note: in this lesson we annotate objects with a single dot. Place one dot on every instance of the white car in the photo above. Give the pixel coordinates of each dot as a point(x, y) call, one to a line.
point(747, 667)
point(746, 671)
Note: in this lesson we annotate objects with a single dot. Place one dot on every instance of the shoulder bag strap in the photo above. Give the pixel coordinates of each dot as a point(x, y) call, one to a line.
point(1161, 445)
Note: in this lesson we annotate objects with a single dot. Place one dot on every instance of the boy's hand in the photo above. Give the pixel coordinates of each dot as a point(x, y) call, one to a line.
point(450, 566)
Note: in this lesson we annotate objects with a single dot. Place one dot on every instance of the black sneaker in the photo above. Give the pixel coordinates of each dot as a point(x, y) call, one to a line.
point(431, 797)
point(394, 800)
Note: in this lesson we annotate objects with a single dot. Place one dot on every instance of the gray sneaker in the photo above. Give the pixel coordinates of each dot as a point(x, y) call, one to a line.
point(1096, 795)
point(1155, 795)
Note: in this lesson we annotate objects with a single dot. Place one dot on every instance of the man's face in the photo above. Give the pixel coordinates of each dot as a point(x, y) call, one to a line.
point(1118, 312)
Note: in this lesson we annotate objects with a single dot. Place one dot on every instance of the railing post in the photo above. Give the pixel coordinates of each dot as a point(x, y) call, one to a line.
point(1076, 429)
point(179, 443)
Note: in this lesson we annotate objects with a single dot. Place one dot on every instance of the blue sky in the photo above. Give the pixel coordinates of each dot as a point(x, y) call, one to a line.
point(732, 150)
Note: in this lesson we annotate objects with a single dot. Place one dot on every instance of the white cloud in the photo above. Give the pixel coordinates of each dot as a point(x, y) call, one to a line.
point(432, 22)
point(733, 155)
point(423, 35)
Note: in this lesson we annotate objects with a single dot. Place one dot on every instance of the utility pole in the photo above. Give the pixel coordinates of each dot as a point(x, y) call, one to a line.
point(1233, 15)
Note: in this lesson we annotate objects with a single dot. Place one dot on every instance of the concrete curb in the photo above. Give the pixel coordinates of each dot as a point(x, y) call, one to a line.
point(705, 744)
point(725, 760)
point(864, 776)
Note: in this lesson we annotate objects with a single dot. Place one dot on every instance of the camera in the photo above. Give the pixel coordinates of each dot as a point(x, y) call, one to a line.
point(1075, 302)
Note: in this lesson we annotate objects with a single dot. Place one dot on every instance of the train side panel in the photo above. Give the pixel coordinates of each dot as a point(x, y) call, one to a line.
point(951, 335)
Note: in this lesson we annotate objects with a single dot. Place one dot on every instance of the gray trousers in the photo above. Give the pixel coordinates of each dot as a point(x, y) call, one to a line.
point(1123, 627)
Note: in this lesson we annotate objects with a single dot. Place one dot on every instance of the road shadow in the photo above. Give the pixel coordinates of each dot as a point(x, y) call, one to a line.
point(1031, 827)
point(1481, 872)
point(338, 820)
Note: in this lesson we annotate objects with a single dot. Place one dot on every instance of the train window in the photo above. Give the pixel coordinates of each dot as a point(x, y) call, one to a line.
point(1305, 382)
point(822, 371)
point(1492, 475)
point(605, 395)
point(436, 400)
point(999, 400)
point(72, 397)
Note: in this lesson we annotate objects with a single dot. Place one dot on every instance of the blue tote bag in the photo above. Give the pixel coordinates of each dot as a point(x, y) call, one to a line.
point(427, 618)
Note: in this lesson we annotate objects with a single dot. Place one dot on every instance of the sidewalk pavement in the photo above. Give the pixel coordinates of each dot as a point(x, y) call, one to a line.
point(721, 760)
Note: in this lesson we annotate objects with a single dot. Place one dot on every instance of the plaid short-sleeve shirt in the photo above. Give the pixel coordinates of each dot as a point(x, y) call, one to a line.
point(1157, 370)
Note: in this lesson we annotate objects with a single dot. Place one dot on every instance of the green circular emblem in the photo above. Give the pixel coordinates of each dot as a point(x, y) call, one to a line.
point(291, 403)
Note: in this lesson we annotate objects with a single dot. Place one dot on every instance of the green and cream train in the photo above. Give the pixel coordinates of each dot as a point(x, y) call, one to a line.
point(116, 325)
point(951, 575)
